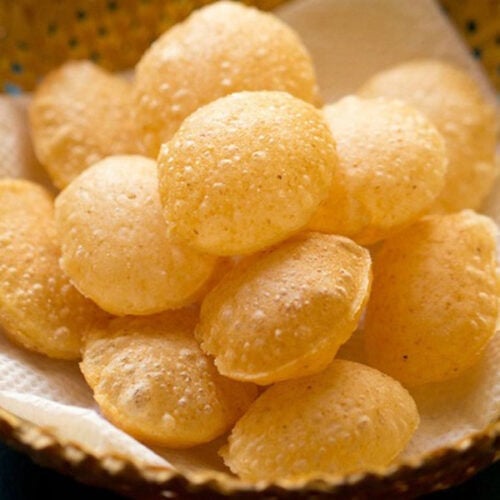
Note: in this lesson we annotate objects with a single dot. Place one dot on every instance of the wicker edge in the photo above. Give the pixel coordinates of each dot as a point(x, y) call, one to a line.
point(442, 469)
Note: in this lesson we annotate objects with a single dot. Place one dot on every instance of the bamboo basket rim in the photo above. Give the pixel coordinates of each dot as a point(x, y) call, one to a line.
point(440, 469)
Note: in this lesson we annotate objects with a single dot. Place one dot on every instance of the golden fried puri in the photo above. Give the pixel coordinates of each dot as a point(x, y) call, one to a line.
point(221, 49)
point(151, 379)
point(245, 172)
point(348, 418)
point(115, 245)
point(434, 301)
point(80, 114)
point(285, 313)
point(39, 308)
point(452, 100)
point(392, 167)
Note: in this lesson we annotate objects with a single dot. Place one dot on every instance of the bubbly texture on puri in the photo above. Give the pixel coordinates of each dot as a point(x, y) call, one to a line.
point(283, 314)
point(80, 114)
point(245, 172)
point(221, 49)
point(434, 303)
point(151, 379)
point(452, 100)
point(346, 419)
point(392, 167)
point(115, 246)
point(39, 307)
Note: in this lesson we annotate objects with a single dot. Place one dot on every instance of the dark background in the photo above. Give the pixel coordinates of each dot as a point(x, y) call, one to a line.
point(21, 479)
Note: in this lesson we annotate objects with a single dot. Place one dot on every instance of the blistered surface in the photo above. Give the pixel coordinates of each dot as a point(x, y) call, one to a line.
point(151, 379)
point(392, 167)
point(79, 115)
point(220, 49)
point(245, 172)
point(434, 301)
point(115, 245)
point(39, 307)
point(347, 418)
point(285, 313)
point(453, 102)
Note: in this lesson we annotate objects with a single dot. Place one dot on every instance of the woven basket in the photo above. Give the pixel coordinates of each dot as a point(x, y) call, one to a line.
point(440, 470)
point(36, 35)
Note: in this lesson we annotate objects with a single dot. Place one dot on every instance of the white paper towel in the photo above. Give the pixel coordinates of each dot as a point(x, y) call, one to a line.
point(349, 40)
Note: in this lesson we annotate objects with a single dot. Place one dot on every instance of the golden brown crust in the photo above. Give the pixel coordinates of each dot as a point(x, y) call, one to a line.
point(392, 167)
point(434, 301)
point(451, 99)
point(151, 379)
point(115, 245)
point(285, 313)
point(80, 114)
point(348, 418)
point(245, 172)
point(220, 49)
point(39, 307)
